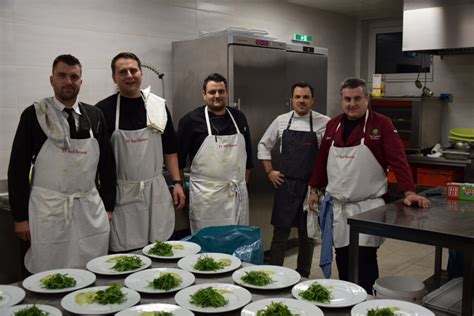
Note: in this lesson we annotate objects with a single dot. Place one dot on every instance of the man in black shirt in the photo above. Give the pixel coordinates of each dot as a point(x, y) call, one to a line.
point(142, 136)
point(58, 209)
point(216, 140)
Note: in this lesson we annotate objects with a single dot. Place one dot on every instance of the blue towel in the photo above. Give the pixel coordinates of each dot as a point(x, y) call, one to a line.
point(325, 222)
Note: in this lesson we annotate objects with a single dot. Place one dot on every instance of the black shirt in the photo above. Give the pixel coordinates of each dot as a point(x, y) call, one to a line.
point(192, 131)
point(349, 126)
point(133, 117)
point(29, 139)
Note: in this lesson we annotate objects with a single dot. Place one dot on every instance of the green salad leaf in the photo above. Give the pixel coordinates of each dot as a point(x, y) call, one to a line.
point(382, 311)
point(276, 309)
point(166, 281)
point(57, 281)
point(31, 311)
point(161, 249)
point(208, 297)
point(126, 263)
point(206, 263)
point(156, 314)
point(317, 292)
point(259, 278)
point(110, 295)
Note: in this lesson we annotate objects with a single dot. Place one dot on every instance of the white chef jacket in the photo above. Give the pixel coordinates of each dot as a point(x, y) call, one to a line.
point(274, 132)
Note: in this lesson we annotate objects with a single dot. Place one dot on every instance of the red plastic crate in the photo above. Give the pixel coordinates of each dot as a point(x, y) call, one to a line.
point(433, 177)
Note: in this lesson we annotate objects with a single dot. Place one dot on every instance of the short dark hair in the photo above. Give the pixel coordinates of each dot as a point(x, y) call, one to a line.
point(355, 82)
point(302, 85)
point(214, 77)
point(68, 60)
point(126, 55)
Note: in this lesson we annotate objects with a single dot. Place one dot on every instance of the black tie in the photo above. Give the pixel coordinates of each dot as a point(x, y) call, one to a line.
point(71, 121)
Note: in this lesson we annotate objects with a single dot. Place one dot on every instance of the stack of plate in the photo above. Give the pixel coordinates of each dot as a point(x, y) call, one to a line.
point(461, 135)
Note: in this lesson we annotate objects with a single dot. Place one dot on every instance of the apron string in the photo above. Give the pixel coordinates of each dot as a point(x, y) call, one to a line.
point(69, 200)
point(141, 183)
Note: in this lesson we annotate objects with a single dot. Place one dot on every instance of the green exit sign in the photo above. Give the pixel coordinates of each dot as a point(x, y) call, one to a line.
point(302, 37)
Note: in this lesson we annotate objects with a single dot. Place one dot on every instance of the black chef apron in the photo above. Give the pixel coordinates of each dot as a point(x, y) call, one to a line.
point(298, 151)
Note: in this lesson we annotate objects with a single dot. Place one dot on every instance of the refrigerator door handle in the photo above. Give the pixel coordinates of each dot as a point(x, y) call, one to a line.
point(236, 104)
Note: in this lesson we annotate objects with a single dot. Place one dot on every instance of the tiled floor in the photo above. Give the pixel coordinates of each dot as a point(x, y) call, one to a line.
point(395, 257)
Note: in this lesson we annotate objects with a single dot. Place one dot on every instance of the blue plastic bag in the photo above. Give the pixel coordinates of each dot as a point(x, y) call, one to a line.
point(244, 242)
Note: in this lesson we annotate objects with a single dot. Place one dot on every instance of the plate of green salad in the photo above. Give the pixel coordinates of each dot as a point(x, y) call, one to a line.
point(11, 295)
point(31, 309)
point(213, 297)
point(266, 277)
point(156, 309)
point(160, 280)
point(174, 249)
point(209, 263)
point(282, 307)
point(59, 280)
point(329, 292)
point(118, 264)
point(389, 308)
point(100, 300)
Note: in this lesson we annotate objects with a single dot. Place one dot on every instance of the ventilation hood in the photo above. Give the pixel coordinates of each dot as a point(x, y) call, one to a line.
point(438, 27)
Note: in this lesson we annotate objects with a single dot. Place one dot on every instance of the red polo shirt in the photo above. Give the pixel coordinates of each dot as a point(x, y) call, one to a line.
point(381, 138)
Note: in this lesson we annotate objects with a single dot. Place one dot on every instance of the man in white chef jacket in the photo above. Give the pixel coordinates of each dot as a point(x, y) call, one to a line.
point(143, 137)
point(299, 132)
point(60, 210)
point(351, 166)
point(216, 140)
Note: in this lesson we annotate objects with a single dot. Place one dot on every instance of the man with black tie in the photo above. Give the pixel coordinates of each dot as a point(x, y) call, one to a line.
point(58, 207)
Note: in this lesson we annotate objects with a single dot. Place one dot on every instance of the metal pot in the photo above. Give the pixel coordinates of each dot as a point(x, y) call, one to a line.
point(464, 146)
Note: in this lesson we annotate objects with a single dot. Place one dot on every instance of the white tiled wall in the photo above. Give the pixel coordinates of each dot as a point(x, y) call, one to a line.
point(33, 33)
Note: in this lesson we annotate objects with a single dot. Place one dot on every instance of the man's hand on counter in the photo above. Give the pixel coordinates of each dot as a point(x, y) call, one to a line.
point(22, 229)
point(412, 199)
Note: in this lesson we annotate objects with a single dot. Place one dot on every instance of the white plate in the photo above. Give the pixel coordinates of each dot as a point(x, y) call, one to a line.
point(69, 302)
point(190, 248)
point(295, 306)
point(83, 278)
point(101, 266)
point(53, 311)
point(11, 295)
point(282, 277)
point(139, 281)
point(170, 308)
point(187, 263)
point(238, 297)
point(344, 293)
point(406, 308)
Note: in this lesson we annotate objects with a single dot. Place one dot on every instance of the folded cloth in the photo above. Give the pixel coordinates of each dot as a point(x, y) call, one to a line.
point(52, 122)
point(312, 226)
point(156, 110)
point(325, 221)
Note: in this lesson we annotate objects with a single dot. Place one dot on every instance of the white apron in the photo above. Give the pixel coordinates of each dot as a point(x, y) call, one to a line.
point(356, 181)
point(144, 210)
point(68, 221)
point(218, 193)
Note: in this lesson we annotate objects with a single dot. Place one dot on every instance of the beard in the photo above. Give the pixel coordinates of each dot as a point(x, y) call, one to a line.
point(67, 94)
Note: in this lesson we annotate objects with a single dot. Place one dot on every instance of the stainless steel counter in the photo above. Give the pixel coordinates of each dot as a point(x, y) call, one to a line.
point(446, 223)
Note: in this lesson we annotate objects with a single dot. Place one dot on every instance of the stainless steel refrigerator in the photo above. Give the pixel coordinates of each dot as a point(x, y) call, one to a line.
point(260, 73)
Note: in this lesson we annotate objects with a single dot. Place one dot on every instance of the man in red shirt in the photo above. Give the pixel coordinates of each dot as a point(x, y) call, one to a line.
point(351, 165)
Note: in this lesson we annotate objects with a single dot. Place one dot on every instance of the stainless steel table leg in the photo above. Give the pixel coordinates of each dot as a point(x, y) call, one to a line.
point(354, 256)
point(468, 282)
point(437, 265)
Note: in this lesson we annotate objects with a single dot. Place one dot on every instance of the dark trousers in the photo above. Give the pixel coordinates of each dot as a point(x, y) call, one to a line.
point(455, 264)
point(305, 249)
point(368, 268)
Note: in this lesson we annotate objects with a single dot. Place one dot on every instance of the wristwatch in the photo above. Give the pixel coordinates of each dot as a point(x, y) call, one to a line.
point(180, 182)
